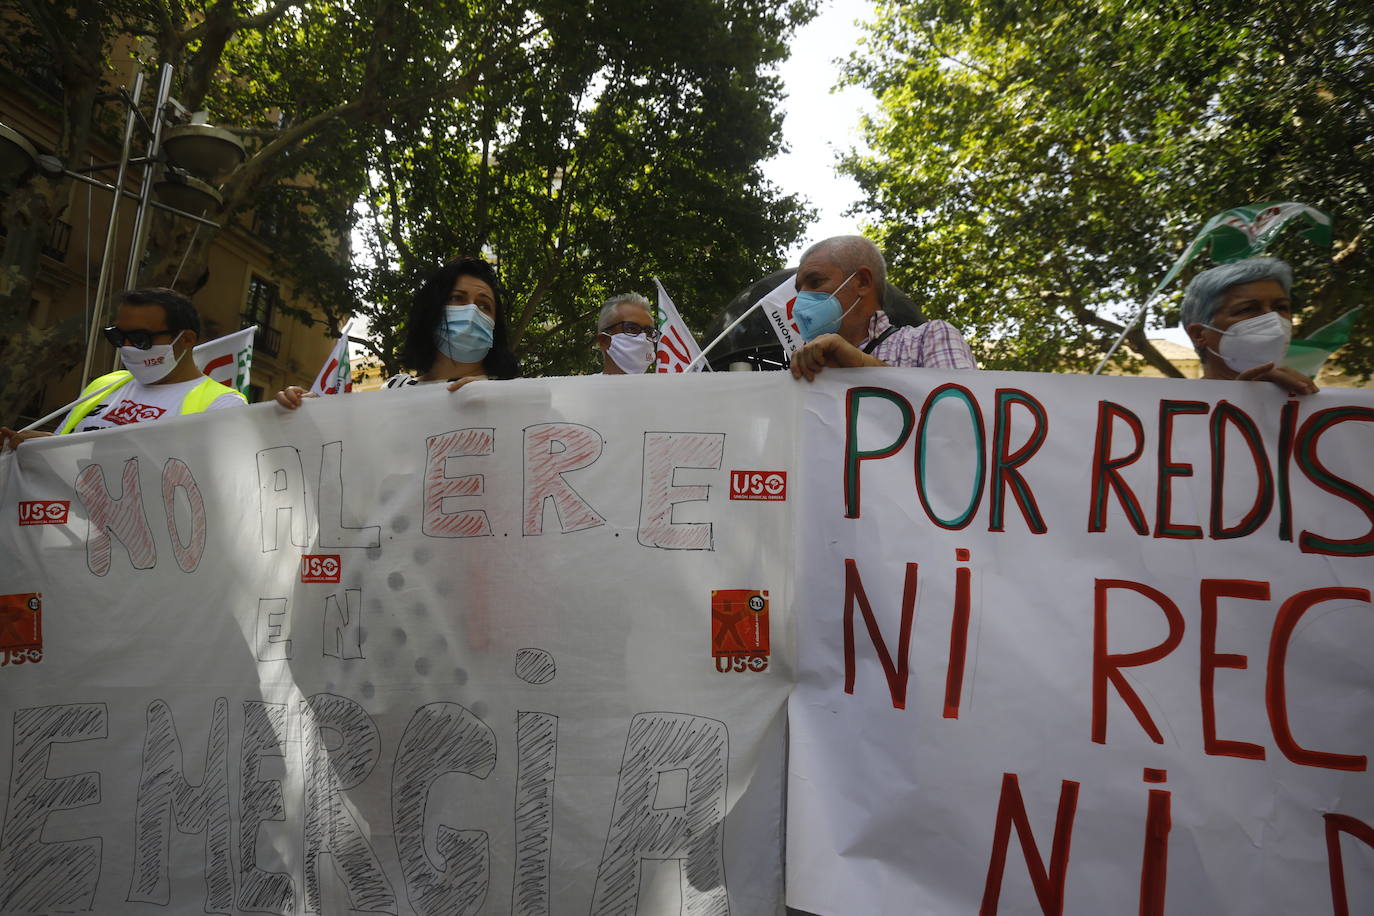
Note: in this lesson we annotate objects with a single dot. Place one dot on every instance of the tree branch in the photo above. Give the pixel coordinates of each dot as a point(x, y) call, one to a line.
point(397, 238)
point(38, 16)
point(368, 107)
point(1135, 337)
point(541, 289)
point(256, 21)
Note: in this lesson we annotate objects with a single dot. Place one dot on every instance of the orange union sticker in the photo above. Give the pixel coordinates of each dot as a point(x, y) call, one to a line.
point(739, 629)
point(769, 486)
point(21, 629)
point(321, 567)
point(44, 511)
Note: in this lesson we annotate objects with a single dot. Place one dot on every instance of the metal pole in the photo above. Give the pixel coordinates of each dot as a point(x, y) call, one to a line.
point(721, 336)
point(1140, 313)
point(156, 204)
point(98, 309)
point(140, 237)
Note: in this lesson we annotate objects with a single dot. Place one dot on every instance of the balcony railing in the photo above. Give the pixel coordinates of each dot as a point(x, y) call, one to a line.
point(266, 340)
point(58, 240)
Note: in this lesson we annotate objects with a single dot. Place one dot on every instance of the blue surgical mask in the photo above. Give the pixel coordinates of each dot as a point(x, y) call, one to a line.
point(465, 335)
point(818, 313)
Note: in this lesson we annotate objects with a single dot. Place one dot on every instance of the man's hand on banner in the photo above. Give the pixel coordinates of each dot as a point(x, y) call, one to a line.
point(1290, 380)
point(830, 350)
point(292, 396)
point(10, 438)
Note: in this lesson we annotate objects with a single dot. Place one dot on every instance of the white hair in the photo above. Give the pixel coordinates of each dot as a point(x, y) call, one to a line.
point(849, 253)
point(1207, 289)
point(608, 311)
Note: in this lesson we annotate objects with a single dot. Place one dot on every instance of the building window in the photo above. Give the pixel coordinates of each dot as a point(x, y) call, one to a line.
point(266, 224)
point(263, 300)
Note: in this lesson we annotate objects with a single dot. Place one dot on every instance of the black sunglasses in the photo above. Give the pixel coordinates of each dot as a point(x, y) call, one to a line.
point(631, 328)
point(138, 339)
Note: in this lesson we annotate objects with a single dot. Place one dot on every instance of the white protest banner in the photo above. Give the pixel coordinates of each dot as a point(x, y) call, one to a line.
point(228, 359)
point(336, 375)
point(1072, 649)
point(508, 650)
point(1060, 646)
point(677, 348)
point(777, 305)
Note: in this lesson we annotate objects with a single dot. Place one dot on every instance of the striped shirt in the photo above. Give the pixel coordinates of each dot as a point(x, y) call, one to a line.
point(933, 345)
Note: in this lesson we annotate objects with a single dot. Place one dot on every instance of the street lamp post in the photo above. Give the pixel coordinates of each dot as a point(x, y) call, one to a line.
point(201, 151)
point(107, 257)
point(138, 241)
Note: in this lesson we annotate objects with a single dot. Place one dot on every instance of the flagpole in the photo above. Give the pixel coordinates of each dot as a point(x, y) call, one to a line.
point(1126, 330)
point(721, 335)
point(1256, 238)
point(61, 410)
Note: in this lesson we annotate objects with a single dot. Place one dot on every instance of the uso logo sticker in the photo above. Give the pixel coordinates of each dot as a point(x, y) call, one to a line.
point(21, 629)
point(766, 485)
point(739, 629)
point(320, 567)
point(44, 512)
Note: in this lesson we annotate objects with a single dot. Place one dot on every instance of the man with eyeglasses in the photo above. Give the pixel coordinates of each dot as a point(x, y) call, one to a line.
point(155, 331)
point(626, 335)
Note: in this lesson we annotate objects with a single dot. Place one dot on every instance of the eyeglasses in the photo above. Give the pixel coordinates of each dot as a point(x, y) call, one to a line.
point(629, 327)
point(138, 339)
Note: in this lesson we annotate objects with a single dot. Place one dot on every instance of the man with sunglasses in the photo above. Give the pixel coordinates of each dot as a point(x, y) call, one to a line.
point(626, 335)
point(155, 331)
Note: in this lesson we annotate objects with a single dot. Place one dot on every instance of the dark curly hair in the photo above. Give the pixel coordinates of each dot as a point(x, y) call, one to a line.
point(420, 350)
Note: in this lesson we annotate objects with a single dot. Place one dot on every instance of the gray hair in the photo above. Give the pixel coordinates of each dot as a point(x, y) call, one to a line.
point(849, 253)
point(615, 302)
point(1206, 290)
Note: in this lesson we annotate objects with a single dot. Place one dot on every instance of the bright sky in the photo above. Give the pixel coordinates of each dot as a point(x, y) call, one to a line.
point(820, 124)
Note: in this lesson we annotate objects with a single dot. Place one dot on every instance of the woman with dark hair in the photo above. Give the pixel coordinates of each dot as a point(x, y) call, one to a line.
point(457, 332)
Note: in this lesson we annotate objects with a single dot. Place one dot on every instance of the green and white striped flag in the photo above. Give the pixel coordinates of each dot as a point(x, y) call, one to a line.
point(1244, 231)
point(1234, 234)
point(1308, 354)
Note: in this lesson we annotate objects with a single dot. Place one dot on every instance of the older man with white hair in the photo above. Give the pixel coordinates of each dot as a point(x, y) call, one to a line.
point(1240, 319)
point(626, 335)
point(840, 285)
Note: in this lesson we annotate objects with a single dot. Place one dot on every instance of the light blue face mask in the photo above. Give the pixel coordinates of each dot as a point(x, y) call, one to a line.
point(466, 333)
point(818, 313)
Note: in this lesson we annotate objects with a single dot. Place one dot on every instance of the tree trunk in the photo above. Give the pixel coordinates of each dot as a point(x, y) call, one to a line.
point(178, 253)
point(29, 356)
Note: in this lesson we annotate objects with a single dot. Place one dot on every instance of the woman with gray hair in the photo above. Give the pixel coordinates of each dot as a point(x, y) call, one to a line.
point(626, 335)
point(1240, 319)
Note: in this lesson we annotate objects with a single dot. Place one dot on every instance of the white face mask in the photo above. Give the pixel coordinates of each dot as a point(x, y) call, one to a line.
point(150, 366)
point(632, 352)
point(1254, 341)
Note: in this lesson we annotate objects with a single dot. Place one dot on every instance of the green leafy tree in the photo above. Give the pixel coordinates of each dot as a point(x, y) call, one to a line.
point(585, 146)
point(67, 42)
point(311, 85)
point(1034, 168)
point(624, 145)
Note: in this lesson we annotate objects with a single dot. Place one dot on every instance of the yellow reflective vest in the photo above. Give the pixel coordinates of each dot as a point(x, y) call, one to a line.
point(196, 400)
